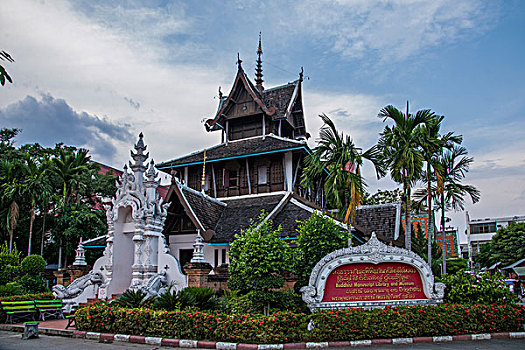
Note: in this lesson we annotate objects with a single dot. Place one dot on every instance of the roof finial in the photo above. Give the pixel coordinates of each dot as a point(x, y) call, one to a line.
point(239, 61)
point(258, 70)
point(301, 74)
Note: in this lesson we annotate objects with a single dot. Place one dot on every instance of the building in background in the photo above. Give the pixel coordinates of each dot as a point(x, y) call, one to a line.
point(451, 239)
point(482, 231)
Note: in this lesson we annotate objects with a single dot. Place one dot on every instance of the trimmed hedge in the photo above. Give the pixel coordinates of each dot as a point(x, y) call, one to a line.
point(285, 327)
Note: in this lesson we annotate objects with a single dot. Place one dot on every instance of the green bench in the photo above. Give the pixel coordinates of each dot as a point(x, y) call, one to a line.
point(19, 309)
point(49, 308)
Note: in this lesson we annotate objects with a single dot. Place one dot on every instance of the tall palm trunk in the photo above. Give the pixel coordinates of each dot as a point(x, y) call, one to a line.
point(408, 221)
point(43, 233)
point(32, 219)
point(444, 248)
point(11, 222)
point(429, 200)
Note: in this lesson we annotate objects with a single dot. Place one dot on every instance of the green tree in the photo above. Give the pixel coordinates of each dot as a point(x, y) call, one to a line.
point(75, 221)
point(258, 259)
point(432, 144)
point(402, 156)
point(70, 166)
point(317, 236)
point(35, 187)
point(507, 246)
point(383, 197)
point(4, 56)
point(9, 263)
point(11, 190)
point(454, 165)
point(337, 154)
point(419, 246)
point(480, 288)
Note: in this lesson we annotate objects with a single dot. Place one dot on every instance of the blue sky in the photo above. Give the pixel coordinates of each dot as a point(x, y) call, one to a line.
point(96, 73)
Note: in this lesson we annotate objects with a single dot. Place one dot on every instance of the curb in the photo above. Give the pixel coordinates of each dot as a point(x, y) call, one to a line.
point(46, 331)
point(185, 343)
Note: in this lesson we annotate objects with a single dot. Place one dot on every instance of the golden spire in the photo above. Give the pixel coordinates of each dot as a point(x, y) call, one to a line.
point(203, 181)
point(258, 70)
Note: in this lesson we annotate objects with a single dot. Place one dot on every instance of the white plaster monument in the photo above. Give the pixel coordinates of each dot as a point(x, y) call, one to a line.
point(136, 255)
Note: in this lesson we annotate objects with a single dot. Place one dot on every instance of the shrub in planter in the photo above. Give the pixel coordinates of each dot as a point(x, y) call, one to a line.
point(478, 288)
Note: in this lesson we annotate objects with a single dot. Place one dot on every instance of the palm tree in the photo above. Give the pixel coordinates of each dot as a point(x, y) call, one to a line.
point(337, 156)
point(401, 153)
point(34, 187)
point(11, 193)
point(454, 165)
point(70, 166)
point(432, 143)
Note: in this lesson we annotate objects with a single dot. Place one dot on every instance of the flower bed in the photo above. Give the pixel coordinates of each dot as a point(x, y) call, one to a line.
point(337, 325)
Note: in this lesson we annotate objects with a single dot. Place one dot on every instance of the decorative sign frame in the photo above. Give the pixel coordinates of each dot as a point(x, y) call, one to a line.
point(373, 252)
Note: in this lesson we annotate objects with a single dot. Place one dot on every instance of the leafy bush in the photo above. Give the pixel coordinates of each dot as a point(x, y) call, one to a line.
point(12, 288)
point(415, 321)
point(199, 297)
point(169, 301)
point(317, 237)
point(286, 327)
point(258, 257)
point(134, 299)
point(9, 263)
point(33, 264)
point(32, 283)
point(480, 288)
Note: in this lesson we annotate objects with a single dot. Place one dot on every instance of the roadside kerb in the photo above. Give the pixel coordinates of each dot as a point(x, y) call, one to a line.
point(186, 343)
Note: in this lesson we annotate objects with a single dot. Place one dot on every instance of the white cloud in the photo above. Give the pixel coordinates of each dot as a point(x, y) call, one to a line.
point(391, 30)
point(98, 70)
point(353, 114)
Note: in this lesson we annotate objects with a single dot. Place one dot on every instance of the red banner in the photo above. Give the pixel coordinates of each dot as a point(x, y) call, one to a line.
point(369, 282)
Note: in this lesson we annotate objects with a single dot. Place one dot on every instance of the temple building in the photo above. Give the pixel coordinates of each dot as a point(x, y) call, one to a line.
point(257, 166)
point(160, 239)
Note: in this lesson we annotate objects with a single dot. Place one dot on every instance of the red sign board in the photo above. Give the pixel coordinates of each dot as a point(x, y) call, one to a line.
point(370, 282)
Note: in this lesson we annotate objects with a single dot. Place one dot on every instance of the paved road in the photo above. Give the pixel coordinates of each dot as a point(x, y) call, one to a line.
point(13, 341)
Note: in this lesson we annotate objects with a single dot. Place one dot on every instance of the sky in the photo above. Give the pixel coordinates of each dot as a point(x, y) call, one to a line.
point(95, 74)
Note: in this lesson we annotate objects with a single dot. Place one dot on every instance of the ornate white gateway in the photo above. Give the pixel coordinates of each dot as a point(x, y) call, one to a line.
point(136, 255)
point(371, 275)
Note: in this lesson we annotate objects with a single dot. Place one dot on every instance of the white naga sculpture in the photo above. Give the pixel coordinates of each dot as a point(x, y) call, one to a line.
point(77, 286)
point(136, 256)
point(156, 285)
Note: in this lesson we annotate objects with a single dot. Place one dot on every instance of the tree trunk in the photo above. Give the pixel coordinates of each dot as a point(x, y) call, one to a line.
point(32, 219)
point(10, 240)
point(408, 221)
point(429, 205)
point(43, 233)
point(60, 255)
point(444, 248)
